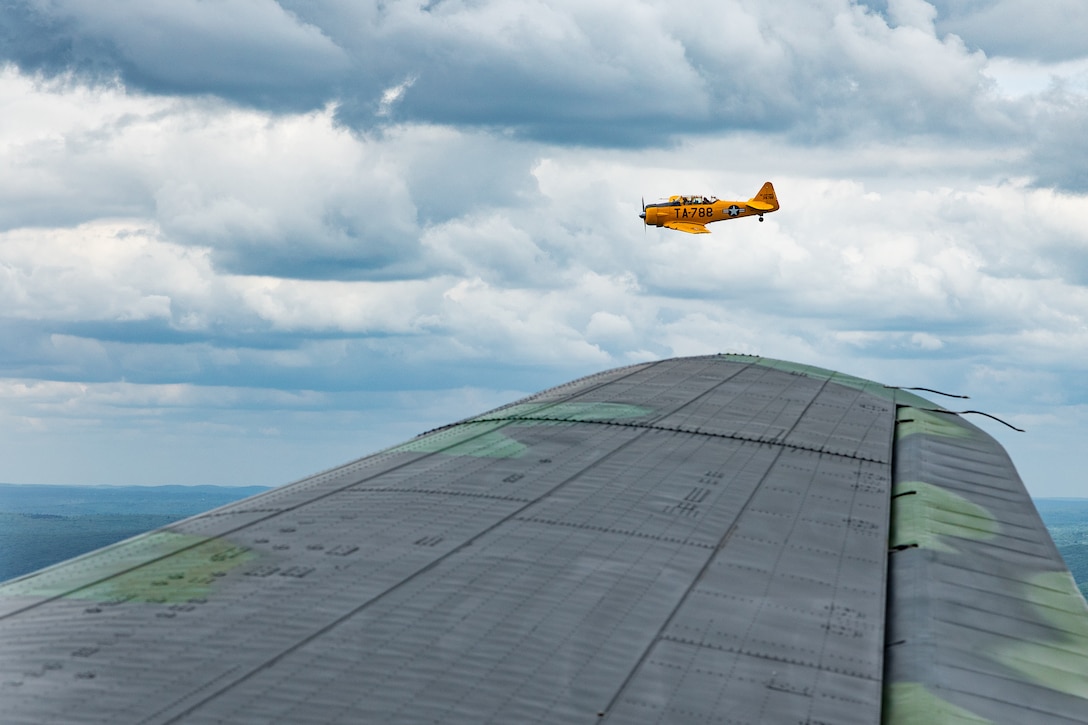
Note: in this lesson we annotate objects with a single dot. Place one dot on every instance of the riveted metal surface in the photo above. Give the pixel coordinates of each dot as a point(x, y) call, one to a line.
point(701, 538)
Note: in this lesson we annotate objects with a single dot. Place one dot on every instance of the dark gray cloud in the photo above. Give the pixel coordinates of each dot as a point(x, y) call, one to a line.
point(600, 74)
point(448, 173)
point(1047, 31)
point(1060, 144)
point(609, 74)
point(154, 353)
point(250, 52)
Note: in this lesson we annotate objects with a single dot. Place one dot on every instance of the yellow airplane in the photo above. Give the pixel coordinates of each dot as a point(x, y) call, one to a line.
point(691, 214)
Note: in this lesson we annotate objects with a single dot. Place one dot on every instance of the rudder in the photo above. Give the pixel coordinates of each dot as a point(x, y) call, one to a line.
point(766, 195)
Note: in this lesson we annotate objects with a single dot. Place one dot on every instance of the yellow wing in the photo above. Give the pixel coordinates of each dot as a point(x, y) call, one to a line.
point(689, 227)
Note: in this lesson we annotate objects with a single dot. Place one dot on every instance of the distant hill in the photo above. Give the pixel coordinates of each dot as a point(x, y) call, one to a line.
point(43, 525)
point(1067, 521)
point(19, 498)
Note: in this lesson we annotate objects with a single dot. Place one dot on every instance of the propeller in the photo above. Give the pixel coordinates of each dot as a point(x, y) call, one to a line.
point(643, 214)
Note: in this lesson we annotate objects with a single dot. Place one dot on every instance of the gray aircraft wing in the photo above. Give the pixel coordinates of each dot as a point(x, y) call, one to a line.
point(721, 539)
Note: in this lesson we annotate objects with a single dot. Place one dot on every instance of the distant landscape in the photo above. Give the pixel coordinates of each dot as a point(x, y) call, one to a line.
point(43, 525)
point(1067, 521)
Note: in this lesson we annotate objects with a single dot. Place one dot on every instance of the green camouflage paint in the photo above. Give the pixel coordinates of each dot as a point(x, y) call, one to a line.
point(910, 703)
point(482, 437)
point(913, 421)
point(158, 567)
point(572, 411)
point(478, 439)
point(1062, 663)
point(930, 517)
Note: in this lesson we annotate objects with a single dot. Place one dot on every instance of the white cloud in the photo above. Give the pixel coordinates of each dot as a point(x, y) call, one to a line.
point(606, 326)
point(490, 246)
point(916, 14)
point(197, 266)
point(926, 341)
point(391, 95)
point(104, 270)
point(1016, 78)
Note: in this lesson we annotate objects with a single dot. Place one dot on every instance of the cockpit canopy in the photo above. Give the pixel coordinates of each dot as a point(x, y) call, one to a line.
point(692, 199)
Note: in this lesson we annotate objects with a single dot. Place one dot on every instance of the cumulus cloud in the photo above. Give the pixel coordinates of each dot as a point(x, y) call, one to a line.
point(249, 50)
point(603, 73)
point(353, 207)
point(1050, 31)
point(154, 434)
point(627, 74)
point(1059, 144)
point(598, 74)
point(253, 189)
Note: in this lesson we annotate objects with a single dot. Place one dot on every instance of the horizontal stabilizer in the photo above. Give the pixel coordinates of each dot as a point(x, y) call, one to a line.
point(760, 206)
point(689, 227)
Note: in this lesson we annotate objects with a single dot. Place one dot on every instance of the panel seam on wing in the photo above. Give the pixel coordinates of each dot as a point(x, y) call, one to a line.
point(690, 431)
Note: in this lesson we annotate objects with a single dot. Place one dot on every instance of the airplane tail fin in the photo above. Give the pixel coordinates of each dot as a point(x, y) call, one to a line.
point(765, 200)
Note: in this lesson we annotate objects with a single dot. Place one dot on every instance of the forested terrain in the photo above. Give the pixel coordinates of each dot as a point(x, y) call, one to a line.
point(1067, 521)
point(42, 525)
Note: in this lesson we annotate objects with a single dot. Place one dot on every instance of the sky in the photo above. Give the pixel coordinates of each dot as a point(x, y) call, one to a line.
point(244, 241)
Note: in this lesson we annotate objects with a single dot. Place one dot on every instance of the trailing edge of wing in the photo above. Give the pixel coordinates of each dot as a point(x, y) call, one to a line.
point(688, 227)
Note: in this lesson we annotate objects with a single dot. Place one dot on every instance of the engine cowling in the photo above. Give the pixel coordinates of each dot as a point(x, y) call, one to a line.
point(654, 216)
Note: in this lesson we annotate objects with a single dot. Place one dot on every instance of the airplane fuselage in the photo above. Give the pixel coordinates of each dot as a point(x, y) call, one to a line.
point(691, 214)
point(678, 210)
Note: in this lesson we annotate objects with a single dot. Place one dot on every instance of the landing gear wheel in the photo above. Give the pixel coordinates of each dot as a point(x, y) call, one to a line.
point(761, 217)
